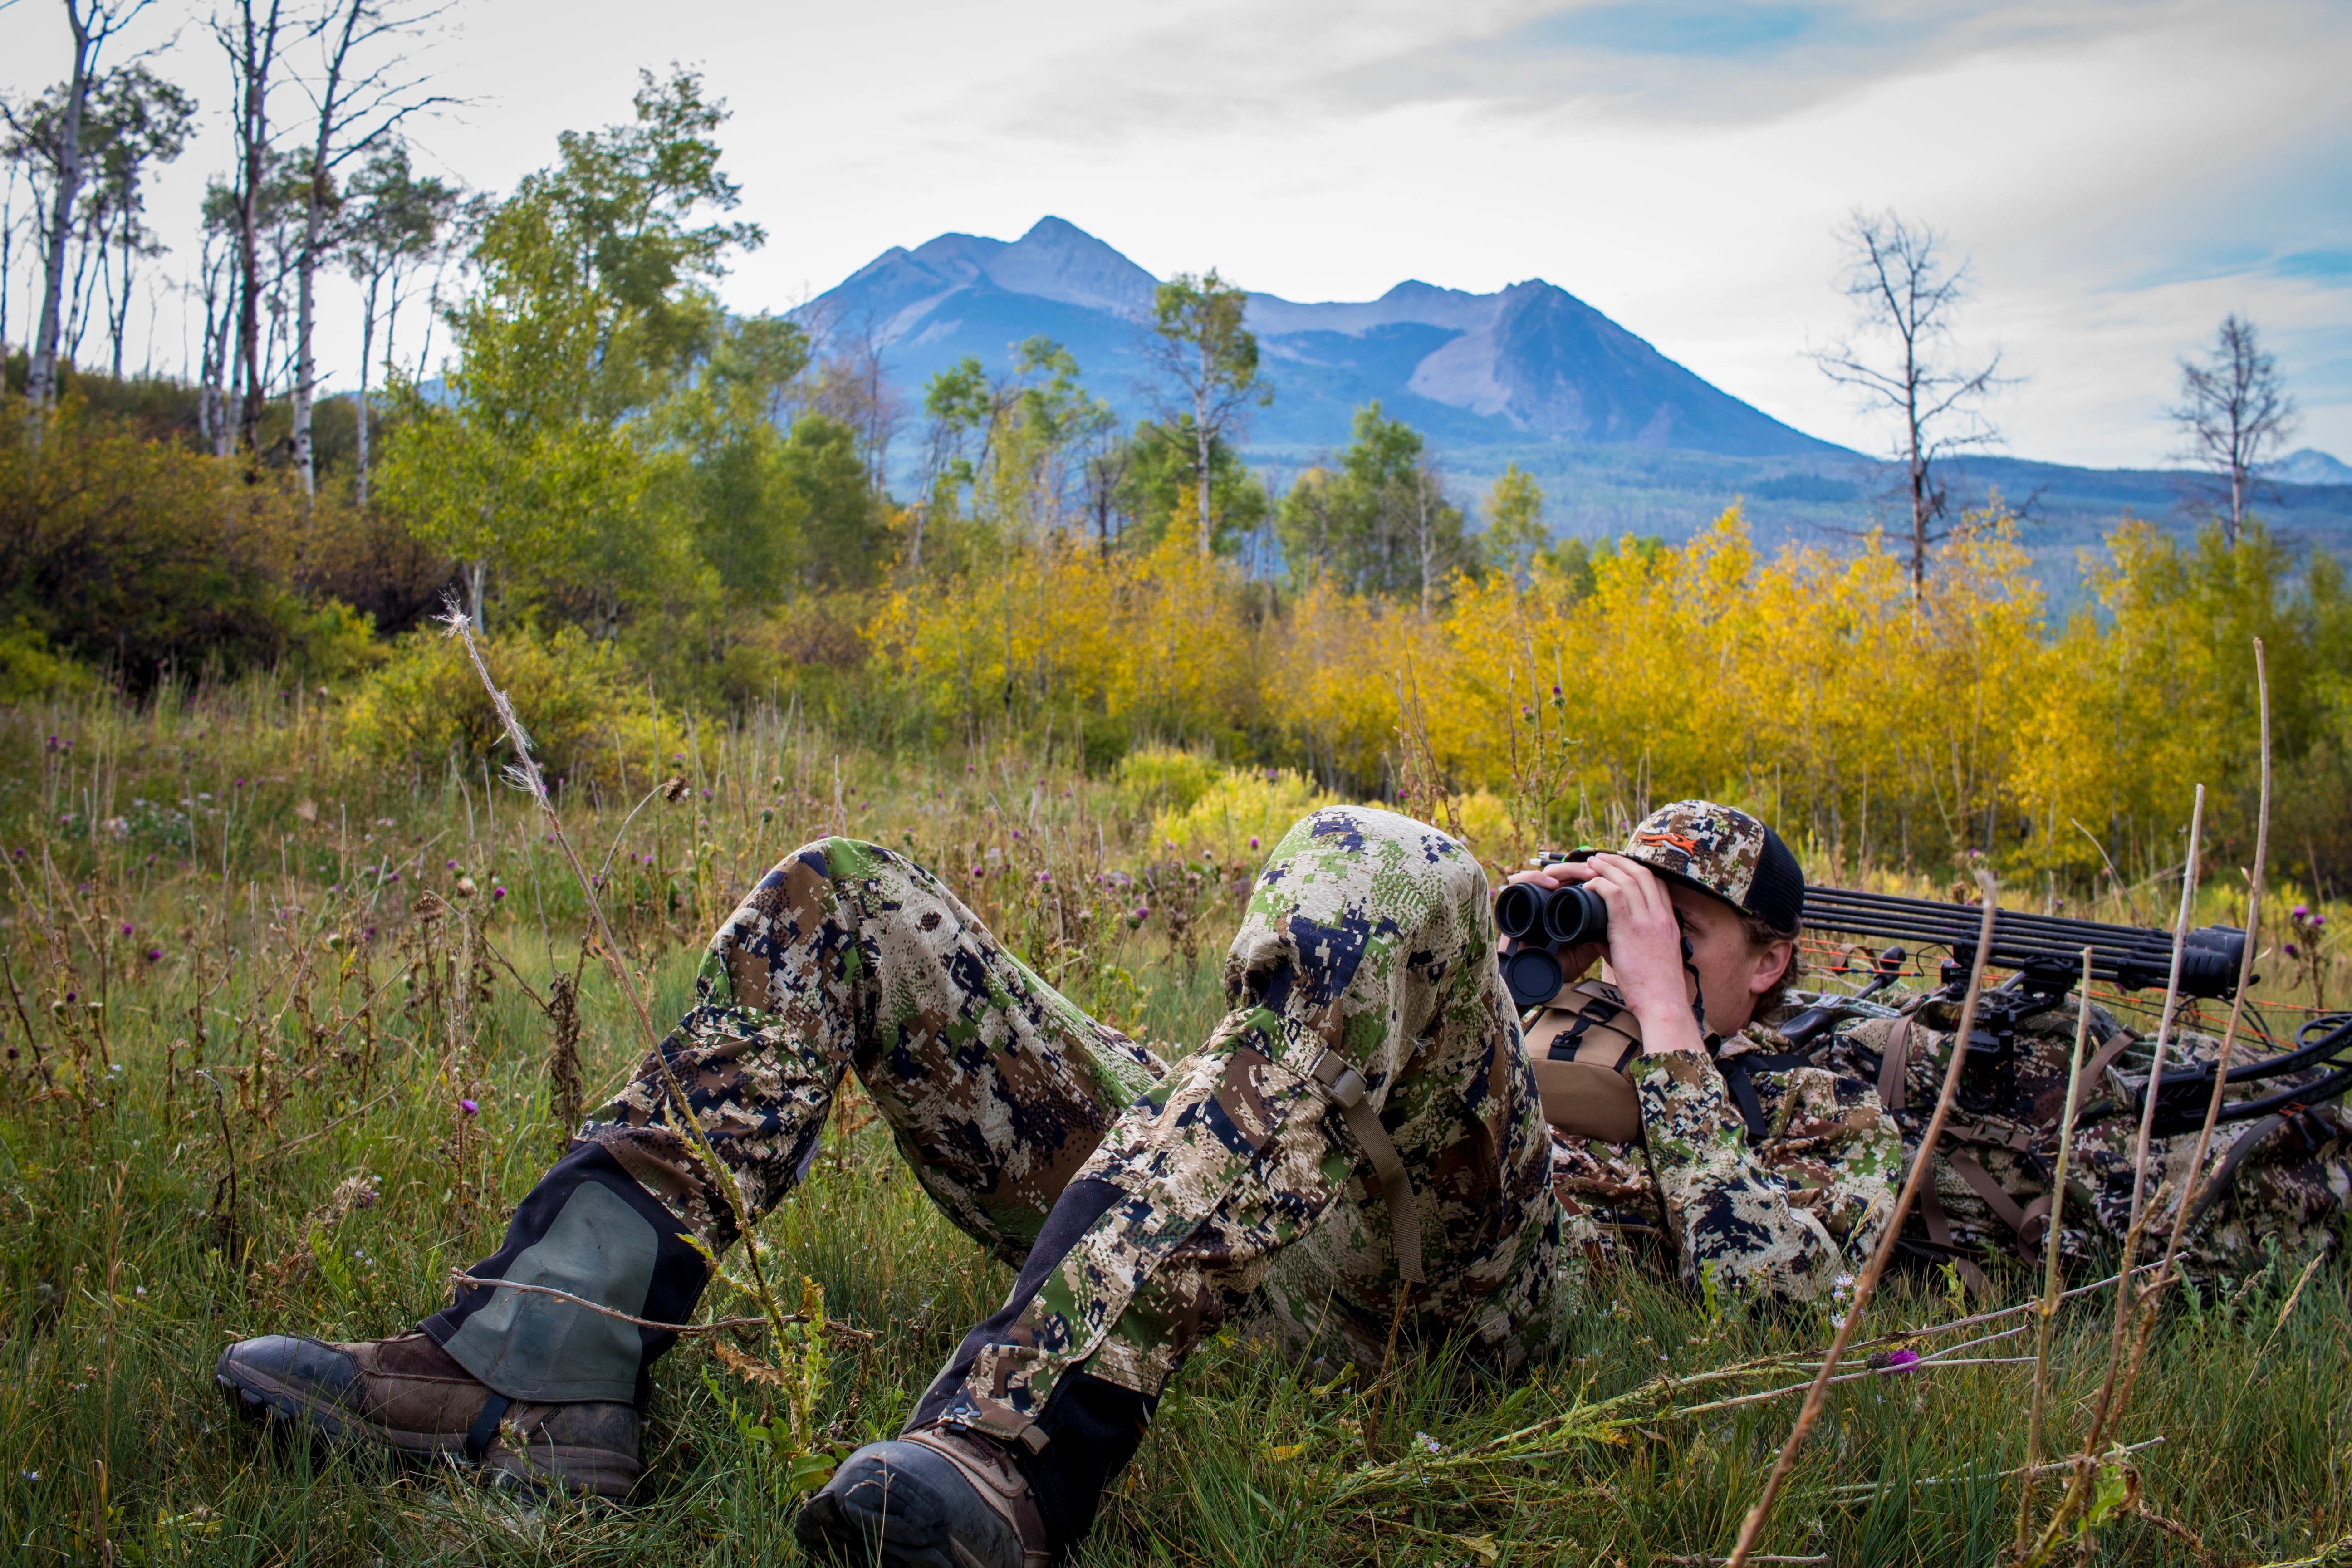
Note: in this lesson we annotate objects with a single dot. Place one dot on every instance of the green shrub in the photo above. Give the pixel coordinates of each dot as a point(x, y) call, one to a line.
point(1165, 777)
point(148, 558)
point(334, 641)
point(1239, 816)
point(29, 671)
point(588, 717)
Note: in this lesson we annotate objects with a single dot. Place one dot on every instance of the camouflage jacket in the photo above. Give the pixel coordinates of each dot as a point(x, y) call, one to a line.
point(1784, 1214)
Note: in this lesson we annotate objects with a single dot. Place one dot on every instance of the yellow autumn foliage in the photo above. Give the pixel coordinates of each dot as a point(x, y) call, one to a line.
point(1807, 685)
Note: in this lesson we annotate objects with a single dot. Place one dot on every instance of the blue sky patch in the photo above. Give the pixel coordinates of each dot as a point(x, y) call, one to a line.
point(1687, 27)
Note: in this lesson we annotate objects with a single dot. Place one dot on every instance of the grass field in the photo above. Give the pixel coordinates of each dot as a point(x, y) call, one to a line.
point(254, 986)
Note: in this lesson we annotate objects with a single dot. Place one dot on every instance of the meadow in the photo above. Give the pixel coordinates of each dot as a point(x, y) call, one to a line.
point(289, 1026)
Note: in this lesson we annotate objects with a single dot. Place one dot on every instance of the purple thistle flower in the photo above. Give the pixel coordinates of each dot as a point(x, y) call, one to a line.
point(497, 893)
point(154, 956)
point(2302, 911)
point(468, 1106)
point(1253, 840)
point(126, 927)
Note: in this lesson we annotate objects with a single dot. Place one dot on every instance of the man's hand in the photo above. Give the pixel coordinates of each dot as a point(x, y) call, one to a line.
point(1645, 947)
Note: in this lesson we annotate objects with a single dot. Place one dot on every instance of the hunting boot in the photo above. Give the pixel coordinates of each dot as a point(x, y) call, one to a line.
point(940, 1495)
point(943, 1494)
point(535, 1385)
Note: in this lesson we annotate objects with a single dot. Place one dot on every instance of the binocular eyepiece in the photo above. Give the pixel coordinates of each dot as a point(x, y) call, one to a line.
point(1566, 916)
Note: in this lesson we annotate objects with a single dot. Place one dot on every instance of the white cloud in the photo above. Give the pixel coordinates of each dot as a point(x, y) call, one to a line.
point(2122, 173)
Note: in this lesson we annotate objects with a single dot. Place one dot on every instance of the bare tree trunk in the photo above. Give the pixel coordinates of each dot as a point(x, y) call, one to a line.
point(1428, 554)
point(360, 408)
point(306, 261)
point(7, 255)
point(41, 374)
point(252, 48)
point(1201, 437)
point(474, 592)
point(306, 367)
point(119, 313)
point(220, 378)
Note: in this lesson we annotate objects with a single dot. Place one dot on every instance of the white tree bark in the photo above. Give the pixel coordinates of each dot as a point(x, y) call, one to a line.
point(41, 374)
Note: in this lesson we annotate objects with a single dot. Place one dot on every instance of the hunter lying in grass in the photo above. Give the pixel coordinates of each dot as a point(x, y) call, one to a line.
point(1359, 1153)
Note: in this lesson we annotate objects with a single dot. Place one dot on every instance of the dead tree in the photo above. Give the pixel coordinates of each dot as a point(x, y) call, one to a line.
point(358, 105)
point(2234, 413)
point(92, 24)
point(251, 36)
point(1904, 288)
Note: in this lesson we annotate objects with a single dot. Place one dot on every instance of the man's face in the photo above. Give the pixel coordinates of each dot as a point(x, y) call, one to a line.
point(1731, 974)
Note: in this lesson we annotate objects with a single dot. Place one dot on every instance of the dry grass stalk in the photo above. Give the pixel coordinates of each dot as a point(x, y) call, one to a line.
point(564, 1088)
point(2171, 1000)
point(525, 774)
point(2128, 1344)
point(459, 1277)
point(1752, 1527)
point(2048, 1308)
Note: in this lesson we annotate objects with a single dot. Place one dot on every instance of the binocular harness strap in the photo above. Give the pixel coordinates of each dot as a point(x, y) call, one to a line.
point(1347, 1086)
point(1895, 1064)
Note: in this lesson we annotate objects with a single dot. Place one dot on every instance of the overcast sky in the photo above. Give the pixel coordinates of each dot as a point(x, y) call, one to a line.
point(2119, 175)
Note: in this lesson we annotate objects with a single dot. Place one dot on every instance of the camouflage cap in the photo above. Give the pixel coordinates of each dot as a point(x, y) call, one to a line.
point(1724, 852)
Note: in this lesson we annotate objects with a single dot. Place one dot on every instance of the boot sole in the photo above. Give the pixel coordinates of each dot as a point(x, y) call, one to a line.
point(830, 1532)
point(566, 1471)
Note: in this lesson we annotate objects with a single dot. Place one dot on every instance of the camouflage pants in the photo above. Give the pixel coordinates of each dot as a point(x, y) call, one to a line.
point(849, 957)
point(1231, 1185)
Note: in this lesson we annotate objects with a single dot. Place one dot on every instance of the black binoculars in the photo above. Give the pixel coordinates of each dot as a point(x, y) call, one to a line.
point(1566, 916)
point(1536, 918)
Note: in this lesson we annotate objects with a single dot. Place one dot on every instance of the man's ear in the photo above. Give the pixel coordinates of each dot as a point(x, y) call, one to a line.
point(1773, 963)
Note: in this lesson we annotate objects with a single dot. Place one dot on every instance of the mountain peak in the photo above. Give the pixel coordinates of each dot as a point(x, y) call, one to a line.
point(2309, 466)
point(1529, 361)
point(1057, 259)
